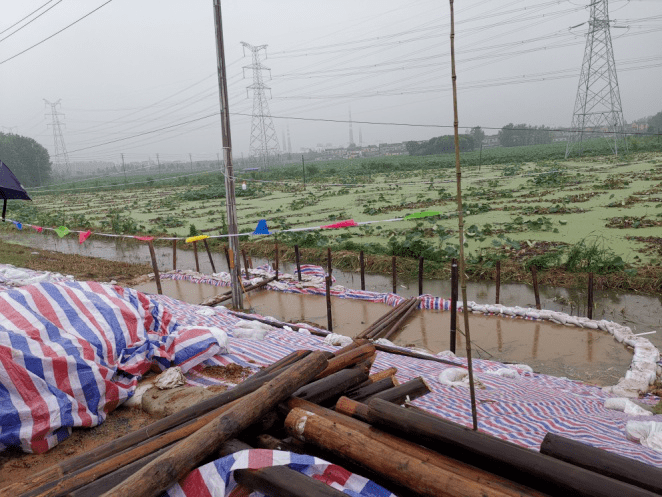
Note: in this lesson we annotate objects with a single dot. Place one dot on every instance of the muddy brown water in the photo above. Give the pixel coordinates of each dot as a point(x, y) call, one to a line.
point(592, 356)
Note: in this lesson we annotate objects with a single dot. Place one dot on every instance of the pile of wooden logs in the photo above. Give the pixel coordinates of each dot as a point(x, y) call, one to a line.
point(328, 405)
point(392, 321)
point(217, 299)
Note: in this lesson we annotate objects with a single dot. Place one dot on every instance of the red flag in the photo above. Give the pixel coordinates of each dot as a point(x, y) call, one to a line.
point(83, 236)
point(144, 238)
point(38, 228)
point(342, 224)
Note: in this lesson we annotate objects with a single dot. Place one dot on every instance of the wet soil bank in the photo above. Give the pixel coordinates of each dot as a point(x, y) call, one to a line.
point(588, 355)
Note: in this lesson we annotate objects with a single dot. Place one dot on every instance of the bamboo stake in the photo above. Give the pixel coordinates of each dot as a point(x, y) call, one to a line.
point(277, 256)
point(463, 277)
point(498, 281)
point(243, 253)
point(174, 255)
point(395, 275)
point(155, 267)
point(536, 292)
point(211, 261)
point(296, 258)
point(329, 317)
point(227, 259)
point(589, 305)
point(420, 276)
point(195, 253)
point(362, 264)
point(328, 261)
point(454, 276)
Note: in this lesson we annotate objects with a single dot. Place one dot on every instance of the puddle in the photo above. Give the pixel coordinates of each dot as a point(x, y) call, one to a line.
point(640, 312)
point(592, 356)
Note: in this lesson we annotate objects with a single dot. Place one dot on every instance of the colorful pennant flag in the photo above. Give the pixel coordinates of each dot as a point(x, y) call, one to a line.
point(262, 228)
point(18, 225)
point(62, 231)
point(38, 228)
point(82, 236)
point(341, 224)
point(144, 238)
point(197, 238)
point(417, 215)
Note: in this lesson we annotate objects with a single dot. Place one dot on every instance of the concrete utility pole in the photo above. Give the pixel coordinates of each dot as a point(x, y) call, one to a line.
point(124, 168)
point(159, 163)
point(190, 159)
point(231, 208)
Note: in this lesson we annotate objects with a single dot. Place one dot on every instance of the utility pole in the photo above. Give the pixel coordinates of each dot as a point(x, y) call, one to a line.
point(598, 109)
point(231, 208)
point(303, 166)
point(159, 163)
point(124, 168)
point(191, 161)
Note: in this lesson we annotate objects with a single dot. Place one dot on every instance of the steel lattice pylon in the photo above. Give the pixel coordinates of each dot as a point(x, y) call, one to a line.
point(598, 111)
point(264, 149)
point(60, 156)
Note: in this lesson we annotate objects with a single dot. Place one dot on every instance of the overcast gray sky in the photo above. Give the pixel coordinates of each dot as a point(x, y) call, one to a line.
point(138, 65)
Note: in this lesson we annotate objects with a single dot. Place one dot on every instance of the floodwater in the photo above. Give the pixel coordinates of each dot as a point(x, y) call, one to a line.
point(587, 355)
point(640, 312)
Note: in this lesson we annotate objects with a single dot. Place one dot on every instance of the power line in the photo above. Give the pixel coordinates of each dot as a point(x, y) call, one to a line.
point(21, 20)
point(30, 22)
point(56, 33)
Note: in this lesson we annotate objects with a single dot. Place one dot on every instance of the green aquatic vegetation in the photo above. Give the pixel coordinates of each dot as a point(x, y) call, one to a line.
point(595, 257)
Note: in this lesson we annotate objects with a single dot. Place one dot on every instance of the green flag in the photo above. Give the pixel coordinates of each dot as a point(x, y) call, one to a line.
point(417, 215)
point(62, 231)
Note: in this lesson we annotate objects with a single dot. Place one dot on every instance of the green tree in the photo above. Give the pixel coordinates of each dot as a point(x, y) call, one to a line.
point(478, 135)
point(655, 123)
point(27, 159)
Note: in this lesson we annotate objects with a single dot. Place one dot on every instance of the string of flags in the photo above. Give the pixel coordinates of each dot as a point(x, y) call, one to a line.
point(261, 229)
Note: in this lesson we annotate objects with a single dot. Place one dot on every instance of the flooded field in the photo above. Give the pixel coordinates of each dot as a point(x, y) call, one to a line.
point(588, 355)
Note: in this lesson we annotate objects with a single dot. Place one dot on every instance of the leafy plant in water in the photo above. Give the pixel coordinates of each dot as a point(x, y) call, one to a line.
point(593, 257)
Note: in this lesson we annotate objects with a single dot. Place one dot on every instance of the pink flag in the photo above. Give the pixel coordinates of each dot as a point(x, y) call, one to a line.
point(38, 228)
point(83, 236)
point(144, 238)
point(342, 224)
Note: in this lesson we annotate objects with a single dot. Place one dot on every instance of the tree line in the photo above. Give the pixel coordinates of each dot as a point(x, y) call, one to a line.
point(27, 159)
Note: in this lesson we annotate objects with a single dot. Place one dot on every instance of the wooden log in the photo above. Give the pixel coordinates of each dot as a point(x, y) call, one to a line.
point(155, 267)
point(416, 355)
point(397, 326)
point(362, 265)
point(453, 309)
point(289, 359)
point(276, 324)
point(356, 343)
point(589, 304)
point(195, 254)
point(536, 292)
point(383, 317)
point(603, 462)
point(333, 386)
point(297, 260)
point(277, 480)
point(410, 390)
point(420, 275)
point(211, 261)
point(388, 320)
point(383, 374)
point(395, 274)
point(174, 255)
point(348, 359)
point(429, 457)
point(506, 459)
point(398, 467)
point(498, 281)
point(157, 476)
point(362, 392)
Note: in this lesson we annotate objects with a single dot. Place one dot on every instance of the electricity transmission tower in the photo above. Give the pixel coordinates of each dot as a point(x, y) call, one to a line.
point(264, 149)
point(60, 157)
point(598, 111)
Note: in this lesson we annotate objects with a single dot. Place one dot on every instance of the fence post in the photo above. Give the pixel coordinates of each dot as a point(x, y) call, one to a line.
point(589, 310)
point(329, 318)
point(195, 253)
point(155, 267)
point(534, 274)
point(420, 275)
point(174, 255)
point(453, 309)
point(296, 257)
point(362, 264)
point(211, 261)
point(395, 275)
point(498, 281)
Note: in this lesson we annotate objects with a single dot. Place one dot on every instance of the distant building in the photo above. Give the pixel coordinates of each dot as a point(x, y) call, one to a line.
point(393, 149)
point(491, 141)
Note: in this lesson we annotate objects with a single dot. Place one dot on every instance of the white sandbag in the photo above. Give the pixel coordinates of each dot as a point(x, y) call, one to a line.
point(337, 340)
point(454, 377)
point(221, 337)
point(625, 405)
point(533, 314)
point(446, 353)
point(627, 388)
point(136, 400)
point(525, 368)
point(170, 378)
point(205, 311)
point(505, 373)
point(647, 433)
point(250, 334)
point(384, 341)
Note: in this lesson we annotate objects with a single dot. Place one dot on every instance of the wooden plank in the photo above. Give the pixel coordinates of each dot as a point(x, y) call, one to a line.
point(157, 476)
point(603, 462)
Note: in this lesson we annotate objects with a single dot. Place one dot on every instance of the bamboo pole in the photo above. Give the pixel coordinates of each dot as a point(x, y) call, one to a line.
point(297, 260)
point(420, 276)
point(463, 277)
point(329, 317)
point(536, 292)
point(362, 264)
point(157, 476)
point(211, 261)
point(155, 267)
point(453, 309)
point(395, 274)
point(195, 253)
point(498, 281)
point(174, 255)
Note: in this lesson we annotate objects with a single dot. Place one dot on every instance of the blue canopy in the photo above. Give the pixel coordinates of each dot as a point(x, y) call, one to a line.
point(10, 187)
